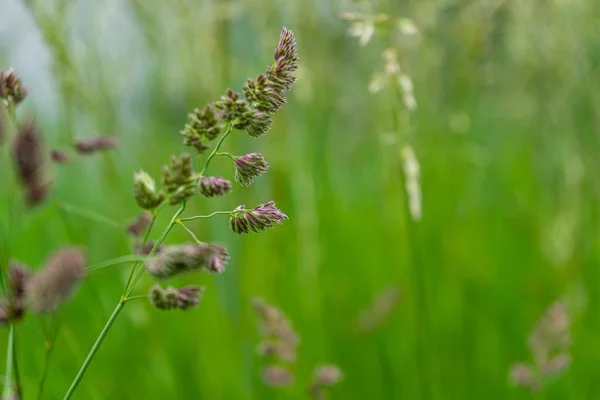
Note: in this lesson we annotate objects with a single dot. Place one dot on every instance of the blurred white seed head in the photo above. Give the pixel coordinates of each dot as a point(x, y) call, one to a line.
point(413, 181)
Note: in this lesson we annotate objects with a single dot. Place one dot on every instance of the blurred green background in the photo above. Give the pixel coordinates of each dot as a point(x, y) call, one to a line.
point(506, 133)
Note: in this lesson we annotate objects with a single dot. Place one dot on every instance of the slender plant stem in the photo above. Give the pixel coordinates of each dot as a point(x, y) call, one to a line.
point(207, 216)
point(162, 238)
point(49, 348)
point(49, 345)
point(8, 383)
point(95, 348)
point(216, 149)
point(188, 230)
point(18, 386)
point(116, 261)
point(83, 212)
point(225, 154)
point(137, 274)
point(143, 244)
point(141, 296)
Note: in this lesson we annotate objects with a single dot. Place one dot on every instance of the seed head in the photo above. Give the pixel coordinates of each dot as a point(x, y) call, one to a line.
point(202, 126)
point(179, 259)
point(286, 57)
point(263, 95)
point(18, 275)
point(277, 376)
point(11, 87)
point(147, 248)
point(328, 375)
point(214, 186)
point(524, 376)
point(249, 167)
point(179, 179)
point(139, 224)
point(184, 298)
point(144, 191)
point(28, 156)
point(382, 307)
point(93, 144)
point(258, 219)
point(59, 157)
point(232, 106)
point(28, 153)
point(52, 285)
point(279, 338)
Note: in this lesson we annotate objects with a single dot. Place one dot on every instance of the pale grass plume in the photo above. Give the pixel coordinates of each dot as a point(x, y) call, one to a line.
point(412, 175)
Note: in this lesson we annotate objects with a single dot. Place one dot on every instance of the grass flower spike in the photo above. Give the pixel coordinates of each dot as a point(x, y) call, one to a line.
point(258, 219)
point(12, 89)
point(179, 259)
point(179, 179)
point(144, 190)
point(214, 186)
point(251, 110)
point(249, 167)
point(94, 144)
point(47, 289)
point(203, 126)
point(184, 298)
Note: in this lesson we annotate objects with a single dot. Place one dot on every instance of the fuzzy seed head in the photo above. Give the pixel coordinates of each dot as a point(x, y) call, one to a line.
point(327, 375)
point(179, 179)
point(286, 57)
point(184, 298)
point(59, 157)
point(180, 259)
point(147, 248)
point(139, 225)
point(214, 186)
point(202, 127)
point(277, 376)
point(48, 288)
point(11, 87)
point(28, 155)
point(258, 219)
point(232, 106)
point(144, 191)
point(249, 167)
point(279, 338)
point(93, 144)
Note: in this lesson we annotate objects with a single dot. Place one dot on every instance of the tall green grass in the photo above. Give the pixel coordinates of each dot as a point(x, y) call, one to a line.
point(507, 135)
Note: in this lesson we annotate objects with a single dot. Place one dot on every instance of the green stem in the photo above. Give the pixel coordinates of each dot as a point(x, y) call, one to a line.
point(49, 344)
point(143, 244)
point(162, 238)
point(120, 306)
point(188, 230)
point(225, 154)
point(94, 350)
point(15, 361)
point(8, 383)
point(116, 261)
point(206, 216)
point(141, 296)
point(49, 348)
point(216, 149)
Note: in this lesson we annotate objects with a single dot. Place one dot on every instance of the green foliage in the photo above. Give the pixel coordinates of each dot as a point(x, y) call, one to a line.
point(506, 137)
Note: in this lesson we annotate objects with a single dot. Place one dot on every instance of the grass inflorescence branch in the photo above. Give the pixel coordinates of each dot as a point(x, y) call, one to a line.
point(251, 110)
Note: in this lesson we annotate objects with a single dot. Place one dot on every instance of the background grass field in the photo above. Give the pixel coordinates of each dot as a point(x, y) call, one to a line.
point(507, 135)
